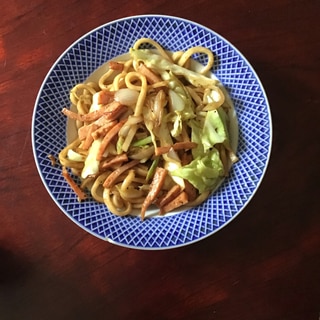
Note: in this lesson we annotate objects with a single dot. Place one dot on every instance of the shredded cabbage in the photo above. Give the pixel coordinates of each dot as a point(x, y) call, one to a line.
point(204, 173)
point(206, 170)
point(157, 62)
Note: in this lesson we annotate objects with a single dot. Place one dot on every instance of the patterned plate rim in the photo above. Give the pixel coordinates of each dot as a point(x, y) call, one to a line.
point(152, 16)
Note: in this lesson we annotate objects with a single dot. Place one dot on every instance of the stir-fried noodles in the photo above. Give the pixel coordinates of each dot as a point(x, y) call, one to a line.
point(150, 131)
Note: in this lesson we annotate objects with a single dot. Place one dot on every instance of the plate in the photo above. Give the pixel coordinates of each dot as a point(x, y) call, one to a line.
point(231, 68)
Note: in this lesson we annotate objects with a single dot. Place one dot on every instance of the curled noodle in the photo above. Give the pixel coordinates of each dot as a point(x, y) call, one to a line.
point(130, 129)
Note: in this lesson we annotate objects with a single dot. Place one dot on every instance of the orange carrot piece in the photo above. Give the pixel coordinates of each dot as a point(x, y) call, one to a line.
point(115, 160)
point(183, 145)
point(89, 139)
point(81, 195)
point(108, 137)
point(112, 177)
point(169, 196)
point(179, 201)
point(114, 65)
point(112, 110)
point(155, 187)
point(186, 158)
point(149, 74)
point(190, 190)
point(89, 117)
point(83, 132)
point(105, 97)
point(102, 131)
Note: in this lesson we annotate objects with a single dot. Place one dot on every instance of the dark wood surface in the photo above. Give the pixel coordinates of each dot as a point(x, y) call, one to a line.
point(263, 265)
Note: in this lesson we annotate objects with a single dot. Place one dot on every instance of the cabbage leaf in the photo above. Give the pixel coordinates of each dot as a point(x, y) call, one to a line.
point(206, 170)
point(204, 173)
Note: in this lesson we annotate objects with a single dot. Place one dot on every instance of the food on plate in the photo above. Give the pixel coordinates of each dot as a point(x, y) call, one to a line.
point(151, 131)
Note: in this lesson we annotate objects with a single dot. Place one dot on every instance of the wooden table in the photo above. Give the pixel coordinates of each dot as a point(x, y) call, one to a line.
point(264, 265)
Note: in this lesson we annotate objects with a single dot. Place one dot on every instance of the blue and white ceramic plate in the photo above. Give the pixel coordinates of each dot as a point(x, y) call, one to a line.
point(251, 106)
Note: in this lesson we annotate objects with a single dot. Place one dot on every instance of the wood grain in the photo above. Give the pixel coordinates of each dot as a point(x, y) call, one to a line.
point(264, 265)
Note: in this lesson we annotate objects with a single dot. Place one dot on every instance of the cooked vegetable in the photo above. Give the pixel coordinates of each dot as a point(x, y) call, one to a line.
point(151, 132)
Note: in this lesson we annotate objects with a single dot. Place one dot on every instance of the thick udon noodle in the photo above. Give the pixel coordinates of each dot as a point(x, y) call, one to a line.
point(123, 177)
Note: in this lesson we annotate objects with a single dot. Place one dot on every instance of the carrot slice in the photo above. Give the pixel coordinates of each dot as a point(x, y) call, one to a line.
point(169, 196)
point(114, 65)
point(112, 177)
point(155, 187)
point(183, 145)
point(81, 195)
point(148, 73)
point(91, 116)
point(108, 137)
point(115, 160)
point(105, 97)
point(102, 131)
point(112, 110)
point(179, 201)
point(186, 158)
point(89, 138)
point(190, 190)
